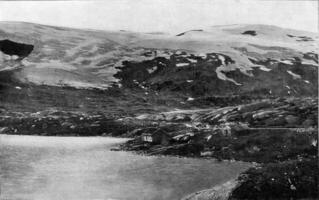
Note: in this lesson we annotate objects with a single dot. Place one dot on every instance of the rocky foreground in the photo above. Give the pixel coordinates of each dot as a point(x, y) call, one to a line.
point(279, 136)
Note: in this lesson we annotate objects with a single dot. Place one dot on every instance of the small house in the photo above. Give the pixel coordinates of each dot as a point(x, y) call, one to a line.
point(157, 137)
point(147, 137)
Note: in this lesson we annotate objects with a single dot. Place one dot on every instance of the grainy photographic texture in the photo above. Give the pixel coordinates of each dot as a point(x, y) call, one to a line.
point(158, 100)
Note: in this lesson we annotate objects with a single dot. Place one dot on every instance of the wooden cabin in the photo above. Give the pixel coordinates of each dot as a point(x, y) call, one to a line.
point(157, 137)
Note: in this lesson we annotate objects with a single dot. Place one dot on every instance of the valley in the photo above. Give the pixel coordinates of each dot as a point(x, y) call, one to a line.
point(235, 93)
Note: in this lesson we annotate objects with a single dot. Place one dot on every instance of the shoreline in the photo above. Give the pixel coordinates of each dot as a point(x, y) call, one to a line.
point(245, 133)
point(219, 192)
point(23, 138)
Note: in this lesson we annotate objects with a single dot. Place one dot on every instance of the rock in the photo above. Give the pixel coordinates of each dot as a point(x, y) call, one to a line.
point(183, 137)
point(253, 106)
point(308, 123)
point(233, 117)
point(253, 149)
point(4, 129)
point(95, 125)
point(206, 153)
point(14, 57)
point(277, 121)
point(15, 49)
point(181, 118)
point(159, 117)
point(261, 115)
point(248, 117)
point(143, 117)
point(221, 192)
point(292, 120)
point(44, 126)
point(66, 124)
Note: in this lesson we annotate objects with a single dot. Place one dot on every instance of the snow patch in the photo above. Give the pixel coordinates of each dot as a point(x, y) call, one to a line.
point(309, 62)
point(153, 69)
point(192, 60)
point(56, 64)
point(14, 57)
point(222, 59)
point(202, 55)
point(182, 64)
point(287, 62)
point(6, 57)
point(222, 76)
point(295, 76)
point(263, 68)
point(143, 116)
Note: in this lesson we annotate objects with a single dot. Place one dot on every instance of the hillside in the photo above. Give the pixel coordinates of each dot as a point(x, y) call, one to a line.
point(237, 92)
point(222, 60)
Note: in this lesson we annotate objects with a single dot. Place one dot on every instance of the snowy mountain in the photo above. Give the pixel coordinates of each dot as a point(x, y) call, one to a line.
point(239, 92)
point(220, 60)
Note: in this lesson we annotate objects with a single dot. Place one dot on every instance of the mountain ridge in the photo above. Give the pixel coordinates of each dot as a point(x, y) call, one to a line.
point(195, 61)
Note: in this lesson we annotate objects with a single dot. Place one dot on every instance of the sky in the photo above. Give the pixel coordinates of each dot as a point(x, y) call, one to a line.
point(172, 16)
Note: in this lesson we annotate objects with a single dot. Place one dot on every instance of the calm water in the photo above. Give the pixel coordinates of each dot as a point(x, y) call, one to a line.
point(82, 168)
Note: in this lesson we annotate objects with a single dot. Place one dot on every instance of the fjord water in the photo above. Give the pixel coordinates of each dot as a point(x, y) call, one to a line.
point(84, 168)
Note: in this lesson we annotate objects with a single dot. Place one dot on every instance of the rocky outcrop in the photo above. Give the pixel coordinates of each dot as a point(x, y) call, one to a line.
point(264, 131)
point(291, 179)
point(14, 49)
point(280, 135)
point(250, 32)
point(268, 113)
point(220, 192)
